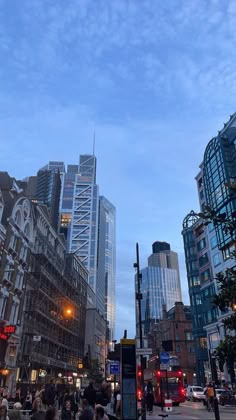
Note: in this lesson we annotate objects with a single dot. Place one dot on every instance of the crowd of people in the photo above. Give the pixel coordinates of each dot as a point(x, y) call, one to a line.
point(49, 402)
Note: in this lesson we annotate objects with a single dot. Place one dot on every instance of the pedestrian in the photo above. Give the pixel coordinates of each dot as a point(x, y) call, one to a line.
point(3, 413)
point(149, 397)
point(50, 394)
point(28, 400)
point(90, 394)
point(100, 413)
point(15, 413)
point(66, 412)
point(51, 414)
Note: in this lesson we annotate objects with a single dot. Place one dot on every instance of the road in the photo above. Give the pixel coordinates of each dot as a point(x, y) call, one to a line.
point(194, 411)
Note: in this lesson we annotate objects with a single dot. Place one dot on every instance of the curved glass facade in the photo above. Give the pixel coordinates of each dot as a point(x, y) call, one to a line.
point(219, 169)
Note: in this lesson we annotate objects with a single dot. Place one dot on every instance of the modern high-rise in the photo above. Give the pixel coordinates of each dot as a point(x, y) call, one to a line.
point(160, 285)
point(208, 248)
point(107, 260)
point(67, 198)
point(83, 238)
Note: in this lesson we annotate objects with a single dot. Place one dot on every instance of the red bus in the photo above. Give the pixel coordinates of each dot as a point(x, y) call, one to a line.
point(166, 383)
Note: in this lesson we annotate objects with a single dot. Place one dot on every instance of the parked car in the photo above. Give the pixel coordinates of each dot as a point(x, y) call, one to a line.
point(195, 393)
point(224, 396)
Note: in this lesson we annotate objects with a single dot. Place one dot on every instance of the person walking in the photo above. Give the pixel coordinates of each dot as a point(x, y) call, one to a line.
point(149, 397)
point(90, 394)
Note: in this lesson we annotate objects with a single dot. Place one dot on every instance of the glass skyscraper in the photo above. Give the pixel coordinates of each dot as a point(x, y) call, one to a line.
point(160, 285)
point(107, 260)
point(83, 238)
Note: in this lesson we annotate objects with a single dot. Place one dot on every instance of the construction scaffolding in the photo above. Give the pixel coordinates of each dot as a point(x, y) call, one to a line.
point(55, 312)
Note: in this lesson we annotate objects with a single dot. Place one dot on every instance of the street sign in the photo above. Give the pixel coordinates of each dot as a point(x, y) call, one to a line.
point(143, 352)
point(164, 357)
point(114, 368)
point(164, 366)
point(37, 338)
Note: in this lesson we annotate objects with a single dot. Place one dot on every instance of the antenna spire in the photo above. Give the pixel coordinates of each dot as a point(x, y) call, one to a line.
point(93, 143)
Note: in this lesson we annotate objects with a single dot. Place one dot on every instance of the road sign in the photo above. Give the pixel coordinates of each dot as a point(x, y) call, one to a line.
point(114, 368)
point(164, 366)
point(164, 357)
point(37, 338)
point(143, 352)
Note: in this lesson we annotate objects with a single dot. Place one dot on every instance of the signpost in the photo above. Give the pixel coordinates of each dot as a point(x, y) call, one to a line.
point(164, 359)
point(128, 379)
point(114, 368)
point(143, 351)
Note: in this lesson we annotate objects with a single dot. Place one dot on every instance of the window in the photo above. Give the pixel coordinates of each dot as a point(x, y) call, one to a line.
point(214, 340)
point(195, 281)
point(188, 336)
point(201, 244)
point(216, 259)
point(203, 342)
point(203, 259)
point(190, 348)
point(177, 337)
point(178, 349)
point(3, 303)
point(213, 242)
point(205, 275)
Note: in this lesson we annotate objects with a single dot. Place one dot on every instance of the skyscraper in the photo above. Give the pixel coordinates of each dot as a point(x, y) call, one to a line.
point(107, 260)
point(160, 284)
point(67, 198)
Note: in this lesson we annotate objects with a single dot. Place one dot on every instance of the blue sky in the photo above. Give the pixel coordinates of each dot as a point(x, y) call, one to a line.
point(154, 79)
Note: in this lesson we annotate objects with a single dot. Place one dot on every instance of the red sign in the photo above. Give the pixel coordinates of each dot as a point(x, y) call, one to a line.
point(3, 336)
point(9, 329)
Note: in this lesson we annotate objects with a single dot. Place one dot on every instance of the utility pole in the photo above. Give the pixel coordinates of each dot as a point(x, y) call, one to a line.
point(139, 297)
point(214, 378)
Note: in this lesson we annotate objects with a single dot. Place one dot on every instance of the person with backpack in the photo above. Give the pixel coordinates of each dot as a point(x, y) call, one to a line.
point(149, 397)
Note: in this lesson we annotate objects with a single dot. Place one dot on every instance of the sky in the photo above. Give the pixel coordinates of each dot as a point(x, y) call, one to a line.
point(154, 80)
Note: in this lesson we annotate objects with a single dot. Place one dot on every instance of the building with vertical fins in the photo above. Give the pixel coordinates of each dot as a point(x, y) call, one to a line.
point(106, 274)
point(208, 247)
point(160, 285)
point(83, 237)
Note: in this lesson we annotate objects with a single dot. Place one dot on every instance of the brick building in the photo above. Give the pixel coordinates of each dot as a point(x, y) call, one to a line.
point(175, 332)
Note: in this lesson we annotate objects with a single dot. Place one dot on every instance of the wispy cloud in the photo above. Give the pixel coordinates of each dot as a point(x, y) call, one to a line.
point(155, 79)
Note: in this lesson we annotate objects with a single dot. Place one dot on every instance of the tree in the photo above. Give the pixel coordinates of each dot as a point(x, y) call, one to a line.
point(225, 299)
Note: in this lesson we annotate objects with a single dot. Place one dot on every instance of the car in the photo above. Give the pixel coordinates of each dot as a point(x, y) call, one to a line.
point(224, 396)
point(195, 393)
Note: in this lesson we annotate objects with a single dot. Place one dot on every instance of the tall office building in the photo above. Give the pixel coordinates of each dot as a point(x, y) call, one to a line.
point(160, 285)
point(67, 198)
point(83, 237)
point(107, 261)
point(207, 248)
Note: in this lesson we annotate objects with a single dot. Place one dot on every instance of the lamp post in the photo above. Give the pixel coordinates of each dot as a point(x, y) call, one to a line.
point(214, 378)
point(139, 297)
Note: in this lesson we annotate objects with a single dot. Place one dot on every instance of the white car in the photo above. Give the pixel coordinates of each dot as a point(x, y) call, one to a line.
point(195, 393)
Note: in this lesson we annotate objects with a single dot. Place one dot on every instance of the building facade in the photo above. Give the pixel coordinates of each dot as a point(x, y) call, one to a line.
point(174, 330)
point(17, 226)
point(160, 285)
point(55, 306)
point(106, 274)
point(84, 225)
point(210, 245)
point(67, 195)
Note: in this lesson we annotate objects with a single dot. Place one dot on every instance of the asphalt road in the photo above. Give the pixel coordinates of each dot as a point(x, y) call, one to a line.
point(194, 411)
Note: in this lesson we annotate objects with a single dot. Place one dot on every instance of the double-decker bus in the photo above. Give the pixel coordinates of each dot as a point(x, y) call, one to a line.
point(167, 383)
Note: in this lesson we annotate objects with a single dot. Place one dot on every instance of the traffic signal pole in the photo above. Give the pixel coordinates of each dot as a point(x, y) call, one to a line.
point(139, 298)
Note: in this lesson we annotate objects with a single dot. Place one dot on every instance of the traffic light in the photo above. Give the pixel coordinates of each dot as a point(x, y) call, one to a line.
point(139, 383)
